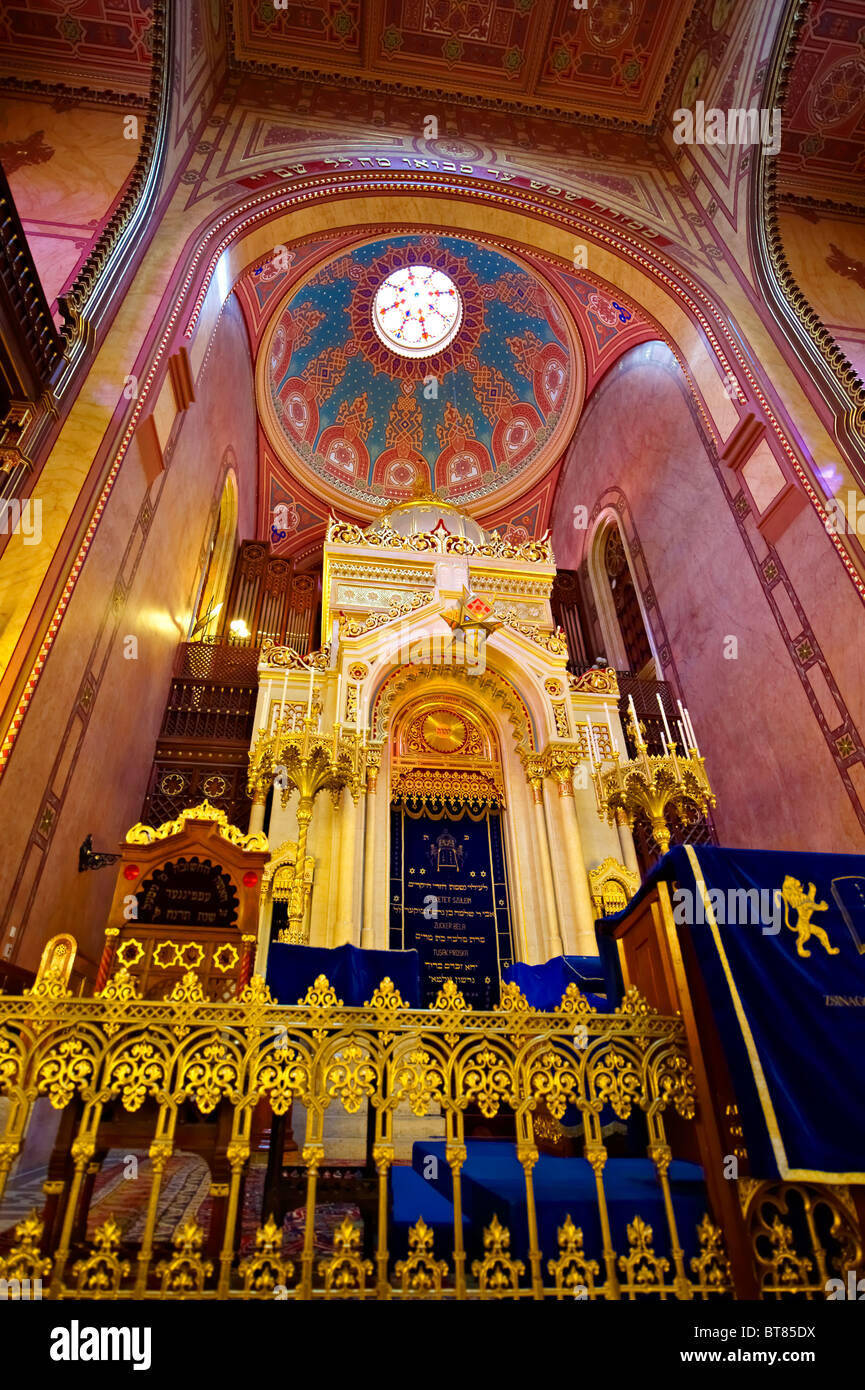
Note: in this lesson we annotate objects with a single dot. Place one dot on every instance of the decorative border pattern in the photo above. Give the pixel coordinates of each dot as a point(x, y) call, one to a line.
point(534, 108)
point(781, 284)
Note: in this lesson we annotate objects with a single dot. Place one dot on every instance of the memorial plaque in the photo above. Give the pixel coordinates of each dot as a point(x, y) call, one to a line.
point(449, 900)
point(188, 893)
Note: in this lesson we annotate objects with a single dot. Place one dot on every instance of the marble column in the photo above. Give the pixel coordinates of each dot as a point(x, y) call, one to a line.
point(558, 868)
point(344, 928)
point(256, 815)
point(380, 809)
point(551, 933)
point(626, 840)
point(367, 936)
point(575, 865)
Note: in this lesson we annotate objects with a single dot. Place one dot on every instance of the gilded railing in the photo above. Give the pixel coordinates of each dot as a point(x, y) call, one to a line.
point(116, 1057)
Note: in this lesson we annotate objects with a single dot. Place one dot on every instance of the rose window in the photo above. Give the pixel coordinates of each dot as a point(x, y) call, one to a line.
point(417, 311)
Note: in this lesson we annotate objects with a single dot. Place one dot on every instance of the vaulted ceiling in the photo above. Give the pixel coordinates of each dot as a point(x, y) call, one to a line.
point(611, 59)
point(822, 155)
point(104, 45)
point(358, 419)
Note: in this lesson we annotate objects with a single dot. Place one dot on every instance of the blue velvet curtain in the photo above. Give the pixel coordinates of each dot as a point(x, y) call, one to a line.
point(778, 936)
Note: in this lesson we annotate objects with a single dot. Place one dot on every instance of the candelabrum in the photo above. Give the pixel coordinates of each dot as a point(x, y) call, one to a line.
point(648, 784)
point(296, 756)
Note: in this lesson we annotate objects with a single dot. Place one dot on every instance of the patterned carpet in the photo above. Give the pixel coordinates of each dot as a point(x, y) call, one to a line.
point(184, 1194)
point(184, 1189)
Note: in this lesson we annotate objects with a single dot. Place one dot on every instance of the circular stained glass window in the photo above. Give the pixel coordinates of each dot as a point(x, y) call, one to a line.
point(417, 311)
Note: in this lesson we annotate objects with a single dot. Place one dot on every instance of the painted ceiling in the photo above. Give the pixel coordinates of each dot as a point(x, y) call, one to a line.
point(823, 127)
point(97, 44)
point(355, 420)
point(610, 59)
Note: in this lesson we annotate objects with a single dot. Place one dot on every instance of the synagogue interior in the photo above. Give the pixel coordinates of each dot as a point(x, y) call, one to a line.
point(432, 616)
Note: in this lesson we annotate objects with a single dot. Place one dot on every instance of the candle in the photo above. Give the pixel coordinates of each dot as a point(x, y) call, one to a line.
point(664, 717)
point(589, 742)
point(684, 719)
point(614, 742)
point(598, 758)
point(682, 736)
point(309, 701)
point(691, 732)
point(339, 699)
point(634, 717)
point(284, 693)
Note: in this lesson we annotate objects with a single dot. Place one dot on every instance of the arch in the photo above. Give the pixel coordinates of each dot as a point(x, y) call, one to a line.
point(605, 525)
point(542, 225)
point(446, 744)
point(688, 319)
point(494, 686)
point(841, 383)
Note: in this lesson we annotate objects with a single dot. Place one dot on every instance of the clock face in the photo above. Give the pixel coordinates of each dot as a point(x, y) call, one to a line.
point(443, 731)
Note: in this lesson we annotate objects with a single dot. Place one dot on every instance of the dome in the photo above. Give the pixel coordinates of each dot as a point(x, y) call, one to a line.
point(419, 362)
point(410, 518)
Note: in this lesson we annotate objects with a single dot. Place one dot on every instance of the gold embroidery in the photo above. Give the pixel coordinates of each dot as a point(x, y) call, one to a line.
point(806, 905)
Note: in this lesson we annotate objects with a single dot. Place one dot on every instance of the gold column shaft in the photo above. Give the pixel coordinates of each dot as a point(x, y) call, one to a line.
point(456, 1154)
point(238, 1156)
point(297, 901)
point(661, 1155)
point(82, 1149)
point(313, 1155)
point(528, 1157)
point(596, 1153)
point(13, 1136)
point(383, 1158)
point(161, 1149)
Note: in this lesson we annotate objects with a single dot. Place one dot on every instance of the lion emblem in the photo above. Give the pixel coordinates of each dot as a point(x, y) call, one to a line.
point(806, 905)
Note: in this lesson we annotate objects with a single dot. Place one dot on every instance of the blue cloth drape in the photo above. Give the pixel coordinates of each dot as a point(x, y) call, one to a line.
point(792, 1026)
point(355, 974)
point(543, 985)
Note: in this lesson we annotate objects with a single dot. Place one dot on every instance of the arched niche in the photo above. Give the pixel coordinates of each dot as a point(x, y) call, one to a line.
point(451, 862)
point(444, 744)
point(216, 578)
point(624, 654)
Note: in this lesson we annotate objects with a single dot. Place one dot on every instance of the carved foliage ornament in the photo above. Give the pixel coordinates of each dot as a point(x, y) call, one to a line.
point(146, 835)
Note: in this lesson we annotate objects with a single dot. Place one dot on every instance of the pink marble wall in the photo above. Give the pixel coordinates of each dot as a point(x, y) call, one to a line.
point(769, 760)
point(67, 163)
point(98, 781)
